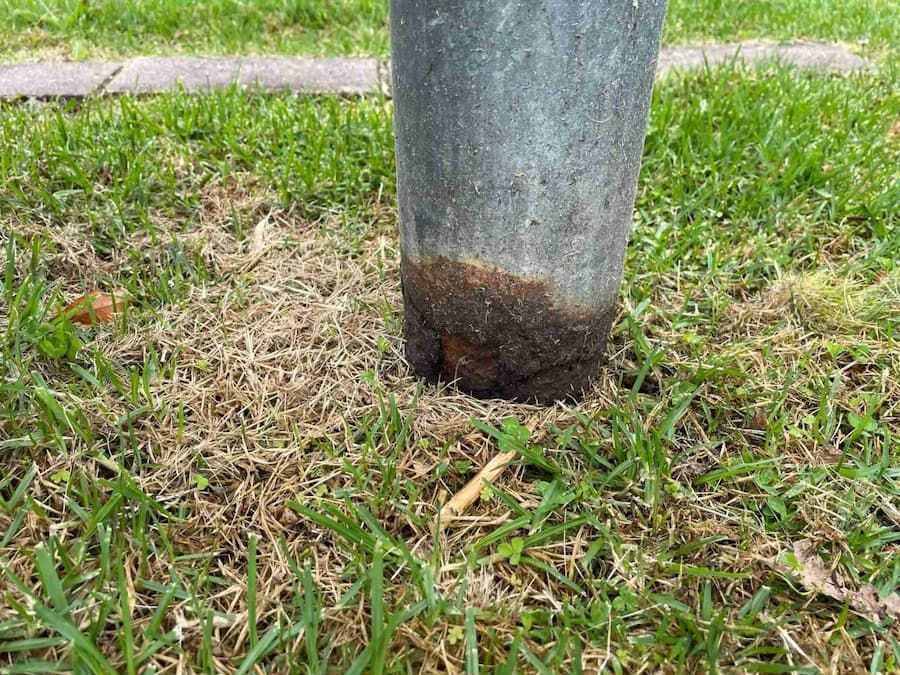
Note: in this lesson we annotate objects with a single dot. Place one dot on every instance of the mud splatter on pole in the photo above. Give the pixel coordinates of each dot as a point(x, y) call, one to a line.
point(519, 127)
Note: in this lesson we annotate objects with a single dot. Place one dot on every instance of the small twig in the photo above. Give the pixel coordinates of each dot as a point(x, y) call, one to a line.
point(463, 499)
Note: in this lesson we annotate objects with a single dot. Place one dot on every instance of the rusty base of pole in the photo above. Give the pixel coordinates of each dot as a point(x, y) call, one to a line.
point(499, 335)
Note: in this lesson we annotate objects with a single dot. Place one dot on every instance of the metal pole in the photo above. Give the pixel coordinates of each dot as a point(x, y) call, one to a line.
point(519, 128)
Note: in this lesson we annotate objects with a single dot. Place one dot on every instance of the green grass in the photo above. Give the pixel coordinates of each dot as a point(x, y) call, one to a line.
point(867, 26)
point(752, 401)
point(82, 29)
point(79, 29)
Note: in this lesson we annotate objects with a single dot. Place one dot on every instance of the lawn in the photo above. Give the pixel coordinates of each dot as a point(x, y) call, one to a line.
point(243, 470)
point(82, 29)
point(241, 474)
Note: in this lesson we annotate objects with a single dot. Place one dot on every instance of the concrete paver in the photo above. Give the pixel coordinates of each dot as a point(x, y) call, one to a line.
point(344, 76)
point(154, 74)
point(804, 55)
point(50, 80)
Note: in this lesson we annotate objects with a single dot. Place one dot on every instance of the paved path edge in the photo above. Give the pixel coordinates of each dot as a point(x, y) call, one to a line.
point(341, 76)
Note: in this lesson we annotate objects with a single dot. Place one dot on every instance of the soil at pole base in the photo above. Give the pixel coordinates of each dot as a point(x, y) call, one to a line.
point(499, 335)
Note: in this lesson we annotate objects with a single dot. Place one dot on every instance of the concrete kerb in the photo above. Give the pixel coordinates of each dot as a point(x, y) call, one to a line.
point(340, 76)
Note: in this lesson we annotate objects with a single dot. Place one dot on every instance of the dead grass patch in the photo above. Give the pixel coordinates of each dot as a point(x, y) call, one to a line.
point(273, 369)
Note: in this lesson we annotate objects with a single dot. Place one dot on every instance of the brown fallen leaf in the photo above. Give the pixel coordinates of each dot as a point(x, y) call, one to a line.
point(894, 131)
point(260, 237)
point(760, 420)
point(816, 576)
point(95, 307)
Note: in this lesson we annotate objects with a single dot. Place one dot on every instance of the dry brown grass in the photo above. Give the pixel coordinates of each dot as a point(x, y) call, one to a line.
point(270, 369)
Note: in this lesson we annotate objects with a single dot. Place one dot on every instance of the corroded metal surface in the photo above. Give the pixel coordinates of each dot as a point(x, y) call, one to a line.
point(496, 334)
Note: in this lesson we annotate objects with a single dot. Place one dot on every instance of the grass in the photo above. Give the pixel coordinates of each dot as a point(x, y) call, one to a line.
point(865, 25)
point(78, 29)
point(241, 473)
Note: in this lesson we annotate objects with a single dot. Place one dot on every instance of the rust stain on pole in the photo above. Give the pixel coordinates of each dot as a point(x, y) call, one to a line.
point(497, 334)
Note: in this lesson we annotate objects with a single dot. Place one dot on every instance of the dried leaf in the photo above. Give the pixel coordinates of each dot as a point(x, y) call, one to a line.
point(96, 307)
point(817, 577)
point(894, 131)
point(260, 237)
point(760, 420)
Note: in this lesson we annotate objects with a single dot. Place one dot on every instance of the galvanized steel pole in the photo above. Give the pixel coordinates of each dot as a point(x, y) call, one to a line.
point(519, 126)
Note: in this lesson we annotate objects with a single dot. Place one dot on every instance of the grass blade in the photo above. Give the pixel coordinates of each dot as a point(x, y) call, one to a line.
point(251, 591)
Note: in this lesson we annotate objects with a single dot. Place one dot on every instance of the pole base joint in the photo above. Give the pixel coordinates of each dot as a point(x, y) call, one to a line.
point(499, 335)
